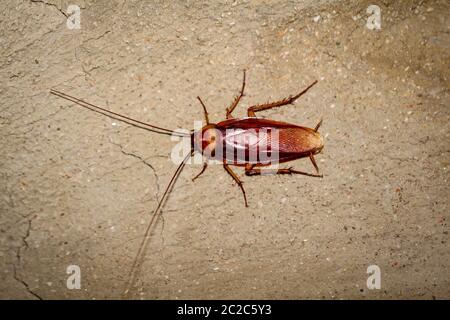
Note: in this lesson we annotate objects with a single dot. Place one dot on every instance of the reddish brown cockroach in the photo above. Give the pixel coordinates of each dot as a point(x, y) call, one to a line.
point(228, 142)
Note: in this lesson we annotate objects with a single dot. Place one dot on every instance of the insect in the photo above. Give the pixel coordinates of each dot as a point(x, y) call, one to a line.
point(233, 142)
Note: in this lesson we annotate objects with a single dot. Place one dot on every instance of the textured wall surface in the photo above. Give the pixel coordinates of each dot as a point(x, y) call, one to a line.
point(78, 188)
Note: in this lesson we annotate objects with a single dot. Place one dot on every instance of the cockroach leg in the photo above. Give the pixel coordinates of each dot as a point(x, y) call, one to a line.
point(311, 157)
point(251, 110)
point(318, 125)
point(205, 112)
point(249, 171)
point(236, 100)
point(238, 181)
point(205, 165)
point(292, 171)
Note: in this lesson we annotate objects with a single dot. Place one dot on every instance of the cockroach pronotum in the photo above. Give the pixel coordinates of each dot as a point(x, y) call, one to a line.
point(233, 142)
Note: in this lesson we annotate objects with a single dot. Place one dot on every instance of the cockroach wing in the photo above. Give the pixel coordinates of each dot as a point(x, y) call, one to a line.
point(246, 146)
point(263, 141)
point(300, 140)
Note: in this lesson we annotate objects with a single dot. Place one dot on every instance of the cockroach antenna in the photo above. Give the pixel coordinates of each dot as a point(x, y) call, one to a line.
point(117, 116)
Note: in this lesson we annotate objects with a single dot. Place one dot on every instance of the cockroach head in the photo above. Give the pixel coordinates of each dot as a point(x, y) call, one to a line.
point(206, 139)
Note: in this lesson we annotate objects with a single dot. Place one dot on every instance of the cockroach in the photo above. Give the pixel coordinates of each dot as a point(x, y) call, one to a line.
point(232, 142)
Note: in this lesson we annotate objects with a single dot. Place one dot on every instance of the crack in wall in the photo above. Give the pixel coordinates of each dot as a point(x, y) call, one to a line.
point(158, 189)
point(16, 130)
point(95, 38)
point(156, 179)
point(87, 73)
point(16, 52)
point(51, 5)
point(16, 274)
